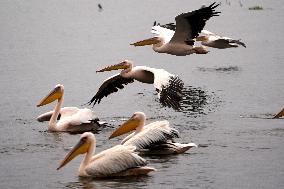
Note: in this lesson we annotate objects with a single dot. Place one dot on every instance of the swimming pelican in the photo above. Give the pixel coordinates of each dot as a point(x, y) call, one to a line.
point(116, 161)
point(169, 86)
point(210, 39)
point(280, 114)
point(181, 41)
point(154, 138)
point(70, 119)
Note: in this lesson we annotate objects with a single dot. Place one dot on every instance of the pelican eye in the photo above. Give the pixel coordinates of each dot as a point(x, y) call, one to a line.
point(84, 139)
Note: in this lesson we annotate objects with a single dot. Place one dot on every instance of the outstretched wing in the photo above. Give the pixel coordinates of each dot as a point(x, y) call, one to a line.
point(114, 160)
point(189, 25)
point(109, 86)
point(170, 26)
point(171, 93)
point(153, 133)
point(169, 87)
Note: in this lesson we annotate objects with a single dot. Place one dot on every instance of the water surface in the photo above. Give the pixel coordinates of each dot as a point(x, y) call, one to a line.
point(230, 93)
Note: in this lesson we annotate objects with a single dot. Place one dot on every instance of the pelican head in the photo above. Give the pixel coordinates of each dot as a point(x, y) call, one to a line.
point(126, 64)
point(150, 41)
point(137, 119)
point(80, 148)
point(55, 94)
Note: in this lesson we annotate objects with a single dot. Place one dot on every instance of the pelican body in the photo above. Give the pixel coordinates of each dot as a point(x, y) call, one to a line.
point(154, 138)
point(113, 162)
point(168, 86)
point(181, 41)
point(210, 39)
point(69, 119)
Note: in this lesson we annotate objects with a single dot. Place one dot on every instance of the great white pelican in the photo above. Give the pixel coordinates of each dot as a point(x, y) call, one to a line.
point(116, 161)
point(181, 41)
point(168, 86)
point(154, 138)
point(210, 39)
point(70, 119)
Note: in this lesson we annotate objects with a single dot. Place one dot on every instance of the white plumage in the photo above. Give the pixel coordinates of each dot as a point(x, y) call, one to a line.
point(161, 77)
point(116, 161)
point(156, 132)
point(164, 33)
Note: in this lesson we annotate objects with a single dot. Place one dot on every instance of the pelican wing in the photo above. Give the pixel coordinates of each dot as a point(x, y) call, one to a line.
point(222, 40)
point(163, 32)
point(169, 87)
point(206, 32)
point(225, 42)
point(109, 86)
point(170, 26)
point(153, 133)
point(66, 111)
point(81, 121)
point(83, 116)
point(189, 25)
point(114, 160)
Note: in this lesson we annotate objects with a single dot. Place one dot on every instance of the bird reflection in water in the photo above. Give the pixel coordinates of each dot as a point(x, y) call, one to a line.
point(91, 183)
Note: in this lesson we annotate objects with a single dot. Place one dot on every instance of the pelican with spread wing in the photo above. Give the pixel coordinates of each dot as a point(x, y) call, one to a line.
point(210, 39)
point(181, 41)
point(169, 86)
point(154, 138)
point(70, 119)
point(116, 161)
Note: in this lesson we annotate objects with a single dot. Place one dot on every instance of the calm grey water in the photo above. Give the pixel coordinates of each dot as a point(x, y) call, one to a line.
point(232, 92)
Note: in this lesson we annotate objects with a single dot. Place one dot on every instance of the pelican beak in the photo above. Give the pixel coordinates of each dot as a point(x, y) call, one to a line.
point(201, 38)
point(280, 114)
point(126, 127)
point(118, 66)
point(150, 41)
point(80, 148)
point(52, 96)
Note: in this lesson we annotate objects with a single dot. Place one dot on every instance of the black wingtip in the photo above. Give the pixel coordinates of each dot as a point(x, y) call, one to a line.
point(171, 95)
point(214, 5)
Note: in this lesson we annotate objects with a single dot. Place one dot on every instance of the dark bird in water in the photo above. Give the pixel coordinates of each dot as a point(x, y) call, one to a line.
point(168, 86)
point(100, 7)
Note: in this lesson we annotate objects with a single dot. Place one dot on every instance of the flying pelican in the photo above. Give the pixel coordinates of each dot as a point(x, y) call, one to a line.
point(154, 138)
point(181, 41)
point(169, 86)
point(116, 161)
point(213, 40)
point(70, 119)
point(280, 114)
